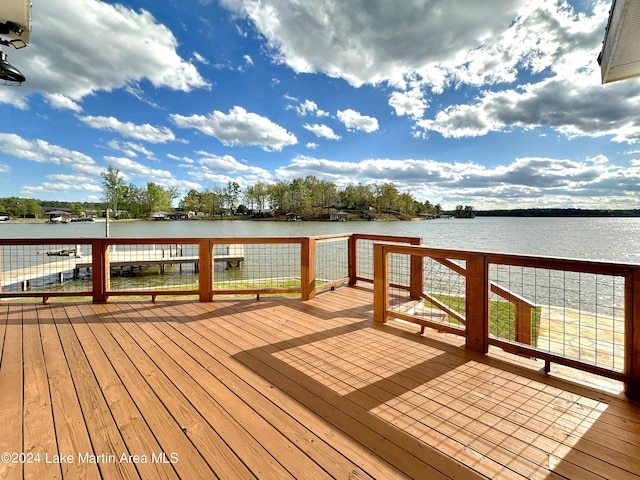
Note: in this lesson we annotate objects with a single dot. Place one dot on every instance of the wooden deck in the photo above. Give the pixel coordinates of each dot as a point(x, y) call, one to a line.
point(281, 388)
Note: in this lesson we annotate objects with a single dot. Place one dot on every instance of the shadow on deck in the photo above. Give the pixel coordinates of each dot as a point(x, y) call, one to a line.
point(287, 389)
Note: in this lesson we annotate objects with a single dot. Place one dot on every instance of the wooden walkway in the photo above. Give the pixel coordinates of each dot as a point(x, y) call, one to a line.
point(280, 388)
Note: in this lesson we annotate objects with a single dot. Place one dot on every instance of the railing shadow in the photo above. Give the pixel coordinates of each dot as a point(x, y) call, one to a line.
point(352, 412)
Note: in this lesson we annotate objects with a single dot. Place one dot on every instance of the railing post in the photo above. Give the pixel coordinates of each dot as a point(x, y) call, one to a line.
point(205, 269)
point(415, 286)
point(477, 304)
point(308, 268)
point(632, 336)
point(523, 322)
point(100, 271)
point(353, 259)
point(380, 283)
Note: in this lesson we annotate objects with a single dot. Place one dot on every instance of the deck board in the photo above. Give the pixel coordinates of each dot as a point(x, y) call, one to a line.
point(303, 429)
point(39, 429)
point(129, 420)
point(287, 389)
point(11, 382)
point(72, 435)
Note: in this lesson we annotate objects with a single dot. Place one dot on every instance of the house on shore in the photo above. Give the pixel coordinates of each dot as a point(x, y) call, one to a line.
point(339, 216)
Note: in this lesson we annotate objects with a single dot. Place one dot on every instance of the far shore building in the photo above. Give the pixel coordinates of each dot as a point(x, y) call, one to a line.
point(339, 216)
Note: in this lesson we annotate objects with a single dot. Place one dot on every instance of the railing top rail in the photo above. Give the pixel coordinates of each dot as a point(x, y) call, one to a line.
point(148, 240)
point(44, 241)
point(333, 236)
point(388, 238)
point(521, 260)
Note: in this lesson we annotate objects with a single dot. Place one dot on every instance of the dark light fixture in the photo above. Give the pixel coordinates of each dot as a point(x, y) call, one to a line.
point(9, 74)
point(15, 29)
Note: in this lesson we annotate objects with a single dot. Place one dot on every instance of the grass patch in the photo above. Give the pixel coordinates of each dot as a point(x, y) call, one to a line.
point(502, 316)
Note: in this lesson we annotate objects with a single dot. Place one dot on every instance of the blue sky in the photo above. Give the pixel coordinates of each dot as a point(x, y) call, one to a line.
point(453, 101)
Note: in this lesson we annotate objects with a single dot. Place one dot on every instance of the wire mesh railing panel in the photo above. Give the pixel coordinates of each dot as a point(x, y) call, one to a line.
point(399, 268)
point(332, 261)
point(364, 249)
point(153, 267)
point(576, 315)
point(444, 292)
point(365, 259)
point(47, 267)
point(442, 296)
point(268, 266)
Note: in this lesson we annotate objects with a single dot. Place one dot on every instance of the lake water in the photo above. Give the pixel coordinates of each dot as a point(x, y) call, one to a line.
point(612, 239)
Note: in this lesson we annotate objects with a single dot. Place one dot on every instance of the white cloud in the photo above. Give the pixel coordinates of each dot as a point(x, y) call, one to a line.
point(365, 42)
point(62, 183)
point(145, 132)
point(92, 45)
point(309, 107)
point(410, 102)
point(130, 168)
point(62, 102)
point(130, 149)
point(42, 151)
point(239, 127)
point(322, 131)
point(221, 169)
point(228, 163)
point(525, 183)
point(574, 107)
point(248, 62)
point(200, 59)
point(354, 121)
point(425, 48)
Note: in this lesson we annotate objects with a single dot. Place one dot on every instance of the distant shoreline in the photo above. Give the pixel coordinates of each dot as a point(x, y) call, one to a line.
point(518, 212)
point(558, 212)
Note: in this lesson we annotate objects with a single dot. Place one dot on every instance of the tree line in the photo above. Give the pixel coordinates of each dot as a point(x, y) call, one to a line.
point(308, 197)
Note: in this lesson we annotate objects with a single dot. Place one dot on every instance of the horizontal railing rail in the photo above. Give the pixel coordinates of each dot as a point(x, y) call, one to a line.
point(579, 313)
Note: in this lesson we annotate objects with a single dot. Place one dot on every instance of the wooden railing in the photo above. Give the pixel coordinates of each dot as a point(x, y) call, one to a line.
point(616, 349)
point(26, 261)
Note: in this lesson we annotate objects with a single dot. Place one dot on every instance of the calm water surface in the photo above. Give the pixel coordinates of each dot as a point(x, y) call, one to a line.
point(613, 239)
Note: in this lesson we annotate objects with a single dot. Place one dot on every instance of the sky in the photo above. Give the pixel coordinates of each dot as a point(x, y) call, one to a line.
point(490, 104)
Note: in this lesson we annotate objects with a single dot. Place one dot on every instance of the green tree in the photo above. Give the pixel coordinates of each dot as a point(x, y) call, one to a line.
point(192, 202)
point(158, 198)
point(406, 204)
point(261, 192)
point(386, 197)
point(216, 197)
point(299, 197)
point(231, 195)
point(112, 184)
point(135, 201)
point(277, 193)
point(358, 197)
